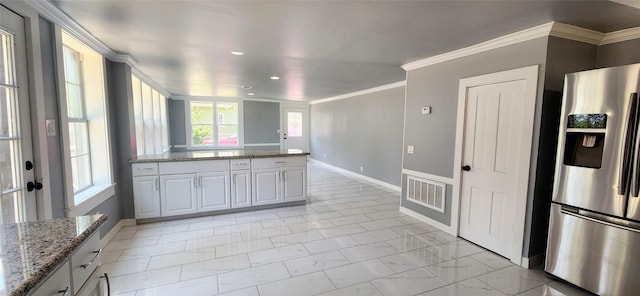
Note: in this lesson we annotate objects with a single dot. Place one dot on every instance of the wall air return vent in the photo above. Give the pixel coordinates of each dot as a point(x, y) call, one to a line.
point(426, 193)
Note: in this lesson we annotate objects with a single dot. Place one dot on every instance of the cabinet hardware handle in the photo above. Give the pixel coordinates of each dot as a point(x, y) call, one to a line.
point(233, 179)
point(200, 182)
point(106, 278)
point(85, 266)
point(281, 162)
point(64, 292)
point(148, 169)
point(157, 184)
point(195, 182)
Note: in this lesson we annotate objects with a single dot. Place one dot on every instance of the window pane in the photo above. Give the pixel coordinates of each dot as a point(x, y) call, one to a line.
point(201, 113)
point(78, 138)
point(147, 109)
point(227, 113)
point(157, 123)
point(7, 112)
point(163, 119)
point(9, 165)
point(11, 208)
point(137, 111)
point(228, 135)
point(74, 101)
point(6, 59)
point(81, 169)
point(71, 65)
point(202, 134)
point(294, 124)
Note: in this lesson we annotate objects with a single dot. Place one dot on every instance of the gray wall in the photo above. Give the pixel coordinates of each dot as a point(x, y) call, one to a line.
point(364, 130)
point(261, 122)
point(54, 144)
point(618, 54)
point(437, 86)
point(177, 123)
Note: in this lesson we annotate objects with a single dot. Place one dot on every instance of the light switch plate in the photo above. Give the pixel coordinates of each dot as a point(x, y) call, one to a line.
point(410, 149)
point(50, 125)
point(426, 110)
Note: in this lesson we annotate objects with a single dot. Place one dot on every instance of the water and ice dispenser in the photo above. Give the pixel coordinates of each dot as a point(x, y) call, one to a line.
point(585, 140)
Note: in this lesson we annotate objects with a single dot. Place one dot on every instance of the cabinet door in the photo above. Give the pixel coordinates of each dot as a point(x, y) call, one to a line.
point(57, 284)
point(178, 195)
point(265, 187)
point(294, 184)
point(146, 197)
point(214, 191)
point(241, 189)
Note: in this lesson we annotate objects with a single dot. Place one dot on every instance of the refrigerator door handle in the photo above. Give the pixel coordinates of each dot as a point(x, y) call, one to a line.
point(635, 187)
point(625, 166)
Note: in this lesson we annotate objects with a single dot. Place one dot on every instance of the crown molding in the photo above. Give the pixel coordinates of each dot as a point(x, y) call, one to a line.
point(506, 40)
point(361, 92)
point(576, 33)
point(621, 36)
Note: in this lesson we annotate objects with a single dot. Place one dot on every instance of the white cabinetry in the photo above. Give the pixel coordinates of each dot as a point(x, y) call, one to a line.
point(187, 187)
point(194, 186)
point(281, 179)
point(178, 194)
point(240, 183)
point(146, 190)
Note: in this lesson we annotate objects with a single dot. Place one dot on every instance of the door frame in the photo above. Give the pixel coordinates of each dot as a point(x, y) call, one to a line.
point(37, 105)
point(530, 76)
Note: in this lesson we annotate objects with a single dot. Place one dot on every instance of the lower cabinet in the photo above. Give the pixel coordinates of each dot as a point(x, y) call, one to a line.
point(186, 187)
point(178, 194)
point(80, 275)
point(294, 184)
point(240, 189)
point(213, 191)
point(146, 190)
point(266, 186)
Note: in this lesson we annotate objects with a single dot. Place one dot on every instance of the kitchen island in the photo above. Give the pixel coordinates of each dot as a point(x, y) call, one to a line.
point(33, 253)
point(186, 184)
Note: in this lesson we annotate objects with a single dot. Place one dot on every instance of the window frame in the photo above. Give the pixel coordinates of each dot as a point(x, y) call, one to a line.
point(96, 114)
point(215, 101)
point(150, 118)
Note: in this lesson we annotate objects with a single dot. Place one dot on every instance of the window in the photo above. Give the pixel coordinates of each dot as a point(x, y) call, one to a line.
point(150, 111)
point(214, 123)
point(87, 163)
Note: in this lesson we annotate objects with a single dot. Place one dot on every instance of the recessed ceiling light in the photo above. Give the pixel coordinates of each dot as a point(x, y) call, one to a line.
point(274, 77)
point(251, 94)
point(246, 87)
point(237, 53)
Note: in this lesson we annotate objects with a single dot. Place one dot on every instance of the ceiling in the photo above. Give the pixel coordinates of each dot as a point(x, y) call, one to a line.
point(319, 49)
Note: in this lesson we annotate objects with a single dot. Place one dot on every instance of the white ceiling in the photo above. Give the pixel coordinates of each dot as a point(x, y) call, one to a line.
point(319, 48)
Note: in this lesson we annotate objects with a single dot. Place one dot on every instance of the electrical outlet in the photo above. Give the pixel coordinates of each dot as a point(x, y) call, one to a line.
point(361, 169)
point(410, 149)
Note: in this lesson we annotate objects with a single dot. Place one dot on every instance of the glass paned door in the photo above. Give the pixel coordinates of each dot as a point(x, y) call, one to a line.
point(16, 203)
point(295, 134)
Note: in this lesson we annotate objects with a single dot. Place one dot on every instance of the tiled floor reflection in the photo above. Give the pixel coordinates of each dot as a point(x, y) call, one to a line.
point(350, 239)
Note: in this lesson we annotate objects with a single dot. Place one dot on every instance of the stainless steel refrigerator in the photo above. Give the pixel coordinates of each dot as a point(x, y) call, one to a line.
point(594, 227)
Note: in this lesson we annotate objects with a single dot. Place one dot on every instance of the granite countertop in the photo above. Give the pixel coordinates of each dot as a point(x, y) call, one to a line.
point(30, 251)
point(216, 154)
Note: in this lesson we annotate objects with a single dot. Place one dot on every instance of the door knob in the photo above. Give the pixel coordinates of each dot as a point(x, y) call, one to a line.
point(34, 185)
point(466, 168)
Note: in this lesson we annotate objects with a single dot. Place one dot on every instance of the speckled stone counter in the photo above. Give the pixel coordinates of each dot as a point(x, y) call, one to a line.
point(30, 251)
point(216, 154)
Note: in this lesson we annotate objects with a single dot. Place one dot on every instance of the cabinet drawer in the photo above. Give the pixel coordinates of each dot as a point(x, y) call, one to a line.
point(277, 162)
point(144, 169)
point(57, 282)
point(85, 260)
point(240, 164)
point(187, 167)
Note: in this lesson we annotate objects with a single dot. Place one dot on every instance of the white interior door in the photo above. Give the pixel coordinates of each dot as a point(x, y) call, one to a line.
point(295, 133)
point(495, 163)
point(17, 204)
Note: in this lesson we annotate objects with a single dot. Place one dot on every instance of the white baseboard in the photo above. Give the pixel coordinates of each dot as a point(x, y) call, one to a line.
point(356, 175)
point(533, 261)
point(107, 238)
point(446, 228)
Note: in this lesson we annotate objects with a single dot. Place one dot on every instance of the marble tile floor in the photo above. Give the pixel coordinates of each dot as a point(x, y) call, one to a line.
point(350, 239)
